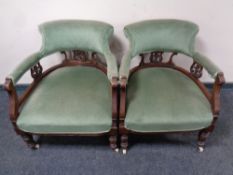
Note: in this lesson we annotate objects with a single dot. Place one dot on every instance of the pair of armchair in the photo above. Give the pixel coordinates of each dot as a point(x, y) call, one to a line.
point(84, 96)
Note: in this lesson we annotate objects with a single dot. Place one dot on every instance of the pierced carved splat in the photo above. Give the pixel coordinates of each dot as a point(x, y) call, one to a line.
point(80, 55)
point(196, 70)
point(94, 57)
point(36, 70)
point(156, 57)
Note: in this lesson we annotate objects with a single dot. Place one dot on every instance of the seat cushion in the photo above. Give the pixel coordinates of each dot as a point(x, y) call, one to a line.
point(69, 100)
point(165, 100)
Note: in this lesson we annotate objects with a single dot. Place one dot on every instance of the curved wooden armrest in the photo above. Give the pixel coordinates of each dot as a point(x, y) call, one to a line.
point(13, 99)
point(123, 84)
point(219, 81)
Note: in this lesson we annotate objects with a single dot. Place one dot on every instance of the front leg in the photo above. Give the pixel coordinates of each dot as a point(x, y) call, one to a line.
point(124, 143)
point(202, 136)
point(113, 143)
point(114, 131)
point(28, 139)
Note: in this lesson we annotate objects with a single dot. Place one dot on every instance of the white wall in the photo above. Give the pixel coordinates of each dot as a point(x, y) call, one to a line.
point(19, 20)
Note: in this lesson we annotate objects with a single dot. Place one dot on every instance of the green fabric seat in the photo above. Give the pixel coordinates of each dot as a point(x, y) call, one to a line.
point(69, 100)
point(165, 100)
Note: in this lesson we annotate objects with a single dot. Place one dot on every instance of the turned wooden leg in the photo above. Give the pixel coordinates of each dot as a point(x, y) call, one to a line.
point(28, 139)
point(202, 136)
point(113, 143)
point(124, 143)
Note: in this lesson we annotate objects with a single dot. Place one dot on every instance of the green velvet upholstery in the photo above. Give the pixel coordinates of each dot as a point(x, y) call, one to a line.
point(163, 35)
point(211, 68)
point(73, 34)
point(23, 67)
point(165, 100)
point(69, 100)
point(66, 35)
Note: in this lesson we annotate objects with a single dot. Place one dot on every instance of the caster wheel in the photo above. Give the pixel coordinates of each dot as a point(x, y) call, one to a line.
point(200, 149)
point(35, 146)
point(124, 151)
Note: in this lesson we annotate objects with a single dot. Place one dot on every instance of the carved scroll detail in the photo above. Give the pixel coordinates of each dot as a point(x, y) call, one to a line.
point(196, 70)
point(36, 70)
point(80, 55)
point(94, 58)
point(156, 57)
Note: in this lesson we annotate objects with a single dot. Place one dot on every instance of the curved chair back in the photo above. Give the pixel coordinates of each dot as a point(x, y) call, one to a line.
point(161, 35)
point(157, 36)
point(84, 35)
point(68, 35)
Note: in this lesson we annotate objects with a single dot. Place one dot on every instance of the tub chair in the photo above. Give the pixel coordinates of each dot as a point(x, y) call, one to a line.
point(78, 96)
point(158, 96)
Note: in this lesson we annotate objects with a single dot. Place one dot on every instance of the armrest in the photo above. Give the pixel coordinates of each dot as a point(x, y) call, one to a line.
point(12, 79)
point(125, 66)
point(112, 70)
point(13, 100)
point(25, 65)
point(211, 68)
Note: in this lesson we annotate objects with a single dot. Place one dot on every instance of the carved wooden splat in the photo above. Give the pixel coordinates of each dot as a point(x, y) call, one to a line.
point(36, 70)
point(80, 55)
point(94, 57)
point(156, 57)
point(196, 70)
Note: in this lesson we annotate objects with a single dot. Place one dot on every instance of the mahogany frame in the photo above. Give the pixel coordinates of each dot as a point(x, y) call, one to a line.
point(72, 58)
point(156, 60)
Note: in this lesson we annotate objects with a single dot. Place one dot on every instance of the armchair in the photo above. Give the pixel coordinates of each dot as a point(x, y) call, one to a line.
point(77, 97)
point(158, 96)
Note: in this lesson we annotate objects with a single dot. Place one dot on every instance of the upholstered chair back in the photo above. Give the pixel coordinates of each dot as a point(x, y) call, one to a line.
point(161, 35)
point(167, 35)
point(78, 34)
point(67, 35)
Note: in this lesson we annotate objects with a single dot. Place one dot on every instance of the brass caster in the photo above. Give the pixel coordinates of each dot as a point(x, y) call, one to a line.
point(200, 149)
point(35, 146)
point(116, 150)
point(124, 151)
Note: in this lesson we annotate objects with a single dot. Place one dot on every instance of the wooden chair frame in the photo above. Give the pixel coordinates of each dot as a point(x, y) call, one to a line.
point(156, 60)
point(72, 58)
